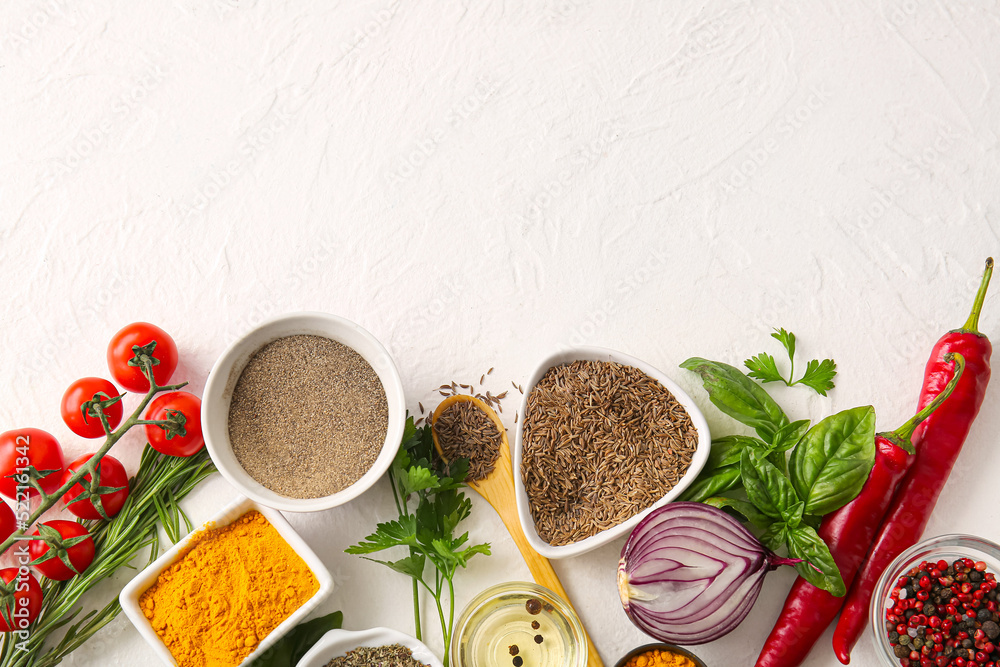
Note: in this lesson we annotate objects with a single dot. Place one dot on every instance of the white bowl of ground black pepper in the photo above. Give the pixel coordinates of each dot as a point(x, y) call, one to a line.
point(304, 412)
point(603, 439)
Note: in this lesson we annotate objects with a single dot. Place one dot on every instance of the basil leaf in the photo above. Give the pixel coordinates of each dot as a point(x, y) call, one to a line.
point(789, 435)
point(775, 536)
point(751, 513)
point(738, 396)
point(727, 450)
point(288, 650)
point(712, 483)
point(833, 460)
point(766, 487)
point(805, 543)
point(793, 515)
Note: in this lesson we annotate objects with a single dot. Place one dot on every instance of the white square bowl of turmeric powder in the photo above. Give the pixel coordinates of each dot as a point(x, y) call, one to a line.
point(228, 591)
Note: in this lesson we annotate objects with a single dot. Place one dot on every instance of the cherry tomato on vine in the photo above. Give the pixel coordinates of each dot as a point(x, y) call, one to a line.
point(68, 545)
point(120, 352)
point(111, 475)
point(23, 447)
point(24, 594)
point(8, 522)
point(82, 391)
point(166, 407)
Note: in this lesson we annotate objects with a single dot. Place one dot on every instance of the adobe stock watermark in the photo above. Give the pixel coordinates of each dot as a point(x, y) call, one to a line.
point(582, 161)
point(90, 141)
point(597, 317)
point(306, 268)
point(761, 150)
point(43, 15)
point(421, 152)
point(885, 199)
point(250, 145)
point(19, 616)
point(560, 10)
point(900, 14)
point(371, 29)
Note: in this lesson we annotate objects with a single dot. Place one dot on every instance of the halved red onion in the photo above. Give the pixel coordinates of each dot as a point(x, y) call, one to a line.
point(689, 573)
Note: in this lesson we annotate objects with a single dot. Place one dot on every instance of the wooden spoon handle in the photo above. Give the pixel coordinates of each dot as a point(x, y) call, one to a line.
point(544, 575)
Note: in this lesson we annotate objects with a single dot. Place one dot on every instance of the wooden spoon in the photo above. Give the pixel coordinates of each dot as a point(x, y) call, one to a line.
point(498, 490)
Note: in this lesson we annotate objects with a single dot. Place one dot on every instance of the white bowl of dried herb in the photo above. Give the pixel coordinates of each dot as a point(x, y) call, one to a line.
point(304, 413)
point(603, 439)
point(362, 648)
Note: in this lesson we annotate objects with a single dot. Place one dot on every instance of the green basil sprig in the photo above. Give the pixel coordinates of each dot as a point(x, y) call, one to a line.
point(827, 465)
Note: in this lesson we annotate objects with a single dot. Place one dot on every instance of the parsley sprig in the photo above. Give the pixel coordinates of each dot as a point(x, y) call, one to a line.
point(818, 374)
point(428, 530)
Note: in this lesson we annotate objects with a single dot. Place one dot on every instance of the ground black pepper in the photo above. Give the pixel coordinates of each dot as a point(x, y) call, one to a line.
point(308, 416)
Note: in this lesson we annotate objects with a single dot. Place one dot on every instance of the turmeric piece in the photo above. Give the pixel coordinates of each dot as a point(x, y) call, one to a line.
point(227, 590)
point(660, 658)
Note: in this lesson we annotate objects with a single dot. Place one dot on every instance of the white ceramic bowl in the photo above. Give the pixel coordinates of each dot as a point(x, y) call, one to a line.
point(602, 538)
point(337, 643)
point(219, 393)
point(129, 596)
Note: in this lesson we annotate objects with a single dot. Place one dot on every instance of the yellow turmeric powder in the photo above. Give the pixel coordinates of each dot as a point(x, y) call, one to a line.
point(228, 589)
point(660, 658)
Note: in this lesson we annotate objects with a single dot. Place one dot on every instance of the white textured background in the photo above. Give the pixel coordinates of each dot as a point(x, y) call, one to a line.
point(478, 183)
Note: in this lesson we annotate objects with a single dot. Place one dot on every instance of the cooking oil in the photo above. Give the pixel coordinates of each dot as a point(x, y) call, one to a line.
point(519, 629)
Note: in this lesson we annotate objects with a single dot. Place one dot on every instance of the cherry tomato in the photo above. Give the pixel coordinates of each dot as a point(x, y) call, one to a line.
point(120, 351)
point(161, 408)
point(27, 600)
point(112, 475)
point(81, 555)
point(29, 446)
point(80, 392)
point(8, 522)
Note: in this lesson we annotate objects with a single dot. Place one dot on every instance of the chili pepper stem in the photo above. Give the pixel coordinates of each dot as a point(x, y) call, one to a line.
point(972, 324)
point(901, 436)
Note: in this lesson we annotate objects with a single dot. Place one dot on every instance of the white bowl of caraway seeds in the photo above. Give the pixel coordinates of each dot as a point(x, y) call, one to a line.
point(603, 439)
point(304, 412)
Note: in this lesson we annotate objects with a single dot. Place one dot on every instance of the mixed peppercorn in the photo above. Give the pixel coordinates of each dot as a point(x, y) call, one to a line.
point(942, 614)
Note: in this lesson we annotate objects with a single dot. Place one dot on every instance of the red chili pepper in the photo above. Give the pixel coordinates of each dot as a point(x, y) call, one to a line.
point(849, 531)
point(940, 440)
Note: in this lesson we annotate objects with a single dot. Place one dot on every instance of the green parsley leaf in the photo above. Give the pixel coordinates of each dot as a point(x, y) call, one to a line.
point(787, 339)
point(819, 375)
point(764, 368)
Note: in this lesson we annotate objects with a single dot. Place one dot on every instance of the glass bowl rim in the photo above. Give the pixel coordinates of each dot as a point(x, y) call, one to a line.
point(956, 542)
point(530, 587)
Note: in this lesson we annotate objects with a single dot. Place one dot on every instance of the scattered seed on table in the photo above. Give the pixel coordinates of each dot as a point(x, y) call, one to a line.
point(490, 372)
point(421, 406)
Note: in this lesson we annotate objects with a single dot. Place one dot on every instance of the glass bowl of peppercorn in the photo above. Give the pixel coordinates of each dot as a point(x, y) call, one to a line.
point(938, 603)
point(518, 624)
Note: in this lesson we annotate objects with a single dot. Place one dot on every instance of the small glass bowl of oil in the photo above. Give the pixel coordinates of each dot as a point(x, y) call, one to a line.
point(518, 624)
